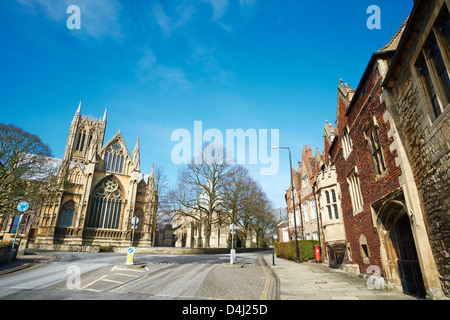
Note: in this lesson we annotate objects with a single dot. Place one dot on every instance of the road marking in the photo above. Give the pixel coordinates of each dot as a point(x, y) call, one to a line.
point(134, 270)
point(115, 281)
point(90, 284)
point(128, 283)
point(267, 284)
point(127, 275)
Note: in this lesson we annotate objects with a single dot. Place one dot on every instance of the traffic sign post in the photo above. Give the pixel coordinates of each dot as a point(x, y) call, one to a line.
point(134, 223)
point(130, 256)
point(130, 252)
point(22, 207)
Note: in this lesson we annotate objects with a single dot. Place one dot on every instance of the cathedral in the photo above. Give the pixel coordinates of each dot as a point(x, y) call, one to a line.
point(100, 189)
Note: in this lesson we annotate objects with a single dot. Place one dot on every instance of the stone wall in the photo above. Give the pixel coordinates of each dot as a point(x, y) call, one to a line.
point(425, 137)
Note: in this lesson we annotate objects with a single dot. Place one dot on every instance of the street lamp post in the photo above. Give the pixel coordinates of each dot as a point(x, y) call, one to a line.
point(292, 195)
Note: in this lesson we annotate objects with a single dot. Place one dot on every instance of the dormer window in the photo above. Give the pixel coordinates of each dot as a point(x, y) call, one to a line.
point(305, 181)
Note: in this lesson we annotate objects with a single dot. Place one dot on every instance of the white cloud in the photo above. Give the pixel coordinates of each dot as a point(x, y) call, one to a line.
point(219, 8)
point(167, 77)
point(162, 20)
point(183, 13)
point(247, 3)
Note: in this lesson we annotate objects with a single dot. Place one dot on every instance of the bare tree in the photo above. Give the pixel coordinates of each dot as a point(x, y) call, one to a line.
point(198, 192)
point(25, 168)
point(215, 193)
point(238, 196)
point(161, 190)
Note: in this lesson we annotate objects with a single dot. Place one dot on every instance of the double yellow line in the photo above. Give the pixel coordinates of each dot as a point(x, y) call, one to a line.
point(267, 284)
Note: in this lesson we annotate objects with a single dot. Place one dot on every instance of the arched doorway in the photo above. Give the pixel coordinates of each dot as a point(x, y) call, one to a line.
point(398, 248)
point(408, 262)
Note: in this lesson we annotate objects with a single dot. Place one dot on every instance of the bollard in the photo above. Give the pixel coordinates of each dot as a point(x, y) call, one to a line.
point(233, 256)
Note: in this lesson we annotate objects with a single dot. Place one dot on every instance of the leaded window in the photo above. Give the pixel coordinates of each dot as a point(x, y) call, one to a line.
point(375, 150)
point(79, 142)
point(114, 158)
point(432, 65)
point(106, 206)
point(67, 214)
point(355, 191)
point(332, 204)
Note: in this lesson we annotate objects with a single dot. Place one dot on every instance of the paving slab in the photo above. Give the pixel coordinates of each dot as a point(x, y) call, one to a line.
point(317, 281)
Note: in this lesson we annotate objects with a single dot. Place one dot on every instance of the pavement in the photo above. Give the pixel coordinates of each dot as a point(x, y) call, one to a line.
point(26, 261)
point(286, 280)
point(317, 281)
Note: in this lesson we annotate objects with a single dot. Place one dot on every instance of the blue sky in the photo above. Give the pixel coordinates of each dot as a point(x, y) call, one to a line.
point(161, 65)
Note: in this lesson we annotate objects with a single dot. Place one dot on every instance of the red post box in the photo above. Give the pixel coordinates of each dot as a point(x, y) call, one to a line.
point(317, 253)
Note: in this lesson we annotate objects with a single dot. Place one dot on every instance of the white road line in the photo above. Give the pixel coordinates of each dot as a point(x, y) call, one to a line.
point(128, 283)
point(90, 284)
point(127, 275)
point(134, 270)
point(115, 281)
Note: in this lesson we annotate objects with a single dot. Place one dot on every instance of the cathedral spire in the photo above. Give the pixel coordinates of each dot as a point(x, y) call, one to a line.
point(135, 158)
point(78, 113)
point(104, 115)
point(152, 174)
point(151, 179)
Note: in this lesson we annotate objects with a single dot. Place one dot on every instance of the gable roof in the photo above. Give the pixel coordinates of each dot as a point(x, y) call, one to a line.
point(117, 136)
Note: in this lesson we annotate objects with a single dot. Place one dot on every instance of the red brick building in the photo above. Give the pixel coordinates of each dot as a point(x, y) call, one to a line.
point(365, 166)
point(383, 218)
point(417, 94)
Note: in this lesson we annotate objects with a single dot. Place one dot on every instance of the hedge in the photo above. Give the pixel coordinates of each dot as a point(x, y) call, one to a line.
point(287, 250)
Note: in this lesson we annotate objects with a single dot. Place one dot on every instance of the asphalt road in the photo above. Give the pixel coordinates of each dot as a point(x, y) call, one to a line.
point(90, 276)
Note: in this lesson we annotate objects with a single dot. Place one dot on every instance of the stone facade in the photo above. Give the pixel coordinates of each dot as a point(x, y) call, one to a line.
point(383, 217)
point(418, 93)
point(305, 203)
point(292, 206)
point(329, 202)
point(100, 190)
point(308, 202)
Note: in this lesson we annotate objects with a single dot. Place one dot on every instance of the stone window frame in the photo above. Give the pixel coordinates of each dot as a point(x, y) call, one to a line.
point(331, 204)
point(312, 204)
point(354, 187)
point(305, 181)
point(436, 92)
point(371, 134)
point(306, 211)
point(347, 145)
point(364, 249)
point(67, 215)
point(114, 158)
point(80, 141)
point(107, 205)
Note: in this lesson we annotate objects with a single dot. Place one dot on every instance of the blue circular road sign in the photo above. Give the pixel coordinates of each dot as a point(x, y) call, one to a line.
point(23, 206)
